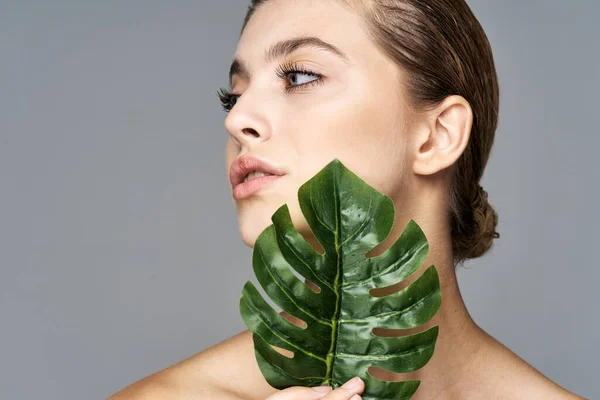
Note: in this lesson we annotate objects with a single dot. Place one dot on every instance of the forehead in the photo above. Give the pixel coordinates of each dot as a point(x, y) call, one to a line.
point(278, 20)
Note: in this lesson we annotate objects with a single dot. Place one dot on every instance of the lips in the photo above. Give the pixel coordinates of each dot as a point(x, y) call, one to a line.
point(248, 163)
point(247, 189)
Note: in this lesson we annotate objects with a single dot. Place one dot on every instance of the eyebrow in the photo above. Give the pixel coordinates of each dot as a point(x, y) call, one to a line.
point(284, 48)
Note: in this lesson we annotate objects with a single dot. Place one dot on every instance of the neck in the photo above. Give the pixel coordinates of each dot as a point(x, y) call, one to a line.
point(459, 337)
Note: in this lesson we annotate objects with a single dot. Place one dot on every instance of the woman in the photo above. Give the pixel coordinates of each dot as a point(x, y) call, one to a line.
point(405, 94)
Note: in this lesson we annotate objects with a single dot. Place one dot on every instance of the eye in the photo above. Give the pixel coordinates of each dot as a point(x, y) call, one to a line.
point(292, 73)
point(228, 99)
point(291, 69)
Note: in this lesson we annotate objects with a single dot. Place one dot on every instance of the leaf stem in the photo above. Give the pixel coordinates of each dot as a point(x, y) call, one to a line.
point(330, 361)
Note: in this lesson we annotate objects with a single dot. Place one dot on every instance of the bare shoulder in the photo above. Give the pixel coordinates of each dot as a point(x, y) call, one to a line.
point(227, 370)
point(505, 375)
point(528, 387)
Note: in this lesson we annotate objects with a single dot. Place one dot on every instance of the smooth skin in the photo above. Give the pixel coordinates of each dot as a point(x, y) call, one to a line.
point(354, 111)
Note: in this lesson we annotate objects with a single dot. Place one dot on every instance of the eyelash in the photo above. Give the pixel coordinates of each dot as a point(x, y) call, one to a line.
point(283, 70)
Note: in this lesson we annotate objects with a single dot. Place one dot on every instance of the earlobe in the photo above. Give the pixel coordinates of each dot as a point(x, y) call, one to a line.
point(446, 137)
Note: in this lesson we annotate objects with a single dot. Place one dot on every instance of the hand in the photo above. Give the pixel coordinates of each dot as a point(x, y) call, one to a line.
point(348, 391)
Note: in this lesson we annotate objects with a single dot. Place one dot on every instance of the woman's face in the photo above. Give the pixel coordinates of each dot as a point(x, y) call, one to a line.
point(348, 109)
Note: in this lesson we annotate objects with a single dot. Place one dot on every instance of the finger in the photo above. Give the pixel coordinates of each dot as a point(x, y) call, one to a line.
point(348, 391)
point(301, 393)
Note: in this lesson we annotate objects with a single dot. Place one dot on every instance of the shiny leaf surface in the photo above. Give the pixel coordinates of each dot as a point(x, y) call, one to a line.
point(349, 218)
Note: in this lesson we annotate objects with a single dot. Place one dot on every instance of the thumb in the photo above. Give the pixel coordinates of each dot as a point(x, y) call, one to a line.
point(349, 390)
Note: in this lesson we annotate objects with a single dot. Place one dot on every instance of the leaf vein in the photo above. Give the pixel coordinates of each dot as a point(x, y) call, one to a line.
point(293, 376)
point(276, 333)
point(416, 349)
point(360, 228)
point(316, 214)
point(389, 313)
point(318, 276)
point(319, 320)
point(385, 271)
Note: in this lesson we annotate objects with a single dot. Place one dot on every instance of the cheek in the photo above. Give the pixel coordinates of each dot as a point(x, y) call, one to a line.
point(363, 132)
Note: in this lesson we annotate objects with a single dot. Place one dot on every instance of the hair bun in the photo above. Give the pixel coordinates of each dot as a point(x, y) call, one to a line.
point(485, 218)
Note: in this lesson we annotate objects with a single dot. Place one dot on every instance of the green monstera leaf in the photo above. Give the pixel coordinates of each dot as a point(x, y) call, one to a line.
point(349, 218)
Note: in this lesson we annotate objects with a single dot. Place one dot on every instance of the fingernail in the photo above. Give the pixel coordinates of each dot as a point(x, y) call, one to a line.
point(322, 389)
point(352, 383)
point(355, 397)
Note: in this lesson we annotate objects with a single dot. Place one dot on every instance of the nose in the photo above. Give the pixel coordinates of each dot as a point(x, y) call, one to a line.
point(247, 121)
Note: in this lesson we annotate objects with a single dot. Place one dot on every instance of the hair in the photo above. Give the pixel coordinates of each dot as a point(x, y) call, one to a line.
point(444, 49)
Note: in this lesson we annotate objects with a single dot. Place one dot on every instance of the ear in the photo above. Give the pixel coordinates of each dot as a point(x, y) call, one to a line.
point(444, 137)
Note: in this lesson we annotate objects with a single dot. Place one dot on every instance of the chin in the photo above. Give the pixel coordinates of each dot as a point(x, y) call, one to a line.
point(248, 240)
point(252, 222)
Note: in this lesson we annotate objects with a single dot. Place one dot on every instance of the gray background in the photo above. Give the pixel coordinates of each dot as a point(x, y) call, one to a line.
point(119, 248)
